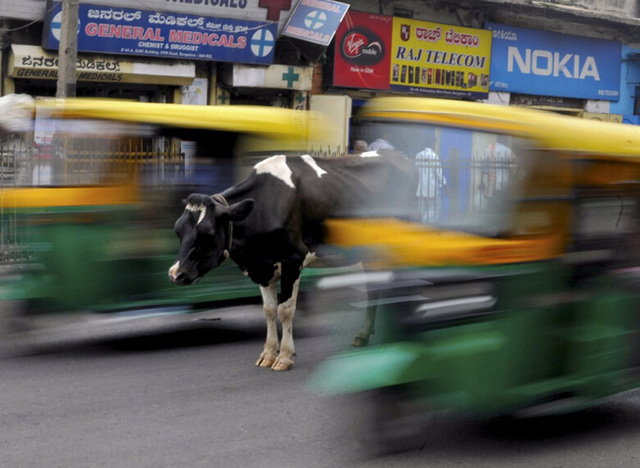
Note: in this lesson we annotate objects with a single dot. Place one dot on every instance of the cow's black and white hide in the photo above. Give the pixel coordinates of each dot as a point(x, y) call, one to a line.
point(272, 224)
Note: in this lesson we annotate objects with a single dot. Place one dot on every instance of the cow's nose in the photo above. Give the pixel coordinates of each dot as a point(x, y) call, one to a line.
point(179, 277)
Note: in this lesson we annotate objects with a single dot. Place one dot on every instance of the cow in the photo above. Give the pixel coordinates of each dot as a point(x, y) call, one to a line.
point(272, 225)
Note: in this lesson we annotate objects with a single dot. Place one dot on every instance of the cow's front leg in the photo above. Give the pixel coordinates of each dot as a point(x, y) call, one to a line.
point(270, 307)
point(286, 310)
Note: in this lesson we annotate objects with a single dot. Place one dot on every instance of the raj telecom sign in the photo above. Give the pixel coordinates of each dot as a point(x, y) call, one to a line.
point(315, 21)
point(155, 34)
point(400, 54)
point(543, 63)
point(439, 59)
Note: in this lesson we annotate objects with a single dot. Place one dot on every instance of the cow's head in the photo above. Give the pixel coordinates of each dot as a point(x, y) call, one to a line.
point(205, 230)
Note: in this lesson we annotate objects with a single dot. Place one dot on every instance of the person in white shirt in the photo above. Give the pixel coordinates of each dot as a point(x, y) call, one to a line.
point(431, 180)
point(381, 143)
point(497, 167)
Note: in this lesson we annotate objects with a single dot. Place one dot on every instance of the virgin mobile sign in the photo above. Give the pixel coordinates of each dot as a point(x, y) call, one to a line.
point(361, 56)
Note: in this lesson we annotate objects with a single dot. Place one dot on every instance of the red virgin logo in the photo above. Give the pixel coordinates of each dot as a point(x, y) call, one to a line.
point(354, 43)
point(362, 47)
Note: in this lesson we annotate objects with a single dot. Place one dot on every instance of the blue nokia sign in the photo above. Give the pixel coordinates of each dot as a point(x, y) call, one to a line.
point(543, 63)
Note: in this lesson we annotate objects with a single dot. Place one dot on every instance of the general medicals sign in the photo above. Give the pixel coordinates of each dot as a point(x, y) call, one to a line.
point(132, 31)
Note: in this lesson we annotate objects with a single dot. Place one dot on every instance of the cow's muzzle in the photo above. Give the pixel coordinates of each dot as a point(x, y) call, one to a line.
point(177, 274)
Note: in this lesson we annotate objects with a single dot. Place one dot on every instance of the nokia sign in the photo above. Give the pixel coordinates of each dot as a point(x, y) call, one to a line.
point(547, 63)
point(542, 63)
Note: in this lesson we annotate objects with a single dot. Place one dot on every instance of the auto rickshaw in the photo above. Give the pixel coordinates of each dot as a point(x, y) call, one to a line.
point(515, 288)
point(90, 190)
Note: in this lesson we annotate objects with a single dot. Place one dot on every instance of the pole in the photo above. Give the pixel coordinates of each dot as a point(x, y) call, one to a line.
point(68, 51)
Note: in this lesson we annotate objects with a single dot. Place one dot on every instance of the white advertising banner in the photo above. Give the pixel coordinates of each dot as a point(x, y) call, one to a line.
point(273, 76)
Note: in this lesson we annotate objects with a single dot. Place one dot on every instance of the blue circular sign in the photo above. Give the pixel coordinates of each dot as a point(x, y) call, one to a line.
point(262, 42)
point(315, 19)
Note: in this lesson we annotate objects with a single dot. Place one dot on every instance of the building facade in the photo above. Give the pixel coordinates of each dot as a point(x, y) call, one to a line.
point(582, 60)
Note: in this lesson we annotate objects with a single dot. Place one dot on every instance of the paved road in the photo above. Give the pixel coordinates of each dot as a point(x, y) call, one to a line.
point(183, 391)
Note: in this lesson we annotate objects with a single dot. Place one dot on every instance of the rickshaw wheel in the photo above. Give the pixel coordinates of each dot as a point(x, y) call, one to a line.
point(13, 323)
point(18, 334)
point(398, 420)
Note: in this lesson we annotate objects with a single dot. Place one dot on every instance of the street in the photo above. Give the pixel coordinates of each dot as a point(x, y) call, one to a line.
point(183, 391)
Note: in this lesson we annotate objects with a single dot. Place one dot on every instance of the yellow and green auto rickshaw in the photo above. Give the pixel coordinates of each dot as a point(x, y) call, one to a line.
point(515, 288)
point(90, 190)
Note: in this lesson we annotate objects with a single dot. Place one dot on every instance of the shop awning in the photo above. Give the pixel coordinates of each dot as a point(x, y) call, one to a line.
point(35, 63)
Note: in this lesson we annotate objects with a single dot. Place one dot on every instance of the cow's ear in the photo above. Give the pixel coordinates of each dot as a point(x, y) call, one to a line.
point(239, 211)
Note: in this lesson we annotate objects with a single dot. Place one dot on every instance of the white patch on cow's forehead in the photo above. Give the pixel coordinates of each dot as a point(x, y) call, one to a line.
point(314, 165)
point(369, 154)
point(202, 209)
point(277, 167)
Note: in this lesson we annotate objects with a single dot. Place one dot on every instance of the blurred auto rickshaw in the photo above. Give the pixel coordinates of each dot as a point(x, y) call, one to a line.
point(516, 291)
point(91, 188)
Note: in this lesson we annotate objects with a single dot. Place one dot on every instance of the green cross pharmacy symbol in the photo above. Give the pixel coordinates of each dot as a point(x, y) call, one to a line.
point(290, 77)
point(222, 97)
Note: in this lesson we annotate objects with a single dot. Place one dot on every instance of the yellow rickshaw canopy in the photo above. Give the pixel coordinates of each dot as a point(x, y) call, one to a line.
point(572, 137)
point(270, 122)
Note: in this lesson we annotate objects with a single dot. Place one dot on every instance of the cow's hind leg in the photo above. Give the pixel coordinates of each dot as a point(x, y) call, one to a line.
point(270, 307)
point(368, 327)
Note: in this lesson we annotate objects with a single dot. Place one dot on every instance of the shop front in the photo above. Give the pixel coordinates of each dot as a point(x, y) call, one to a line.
point(154, 53)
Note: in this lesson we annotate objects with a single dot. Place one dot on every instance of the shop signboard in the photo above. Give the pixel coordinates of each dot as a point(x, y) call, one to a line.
point(419, 57)
point(273, 76)
point(34, 63)
point(315, 21)
point(155, 34)
point(362, 51)
point(439, 59)
point(551, 64)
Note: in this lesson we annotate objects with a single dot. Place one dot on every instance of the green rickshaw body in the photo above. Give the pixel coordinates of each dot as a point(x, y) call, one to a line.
point(523, 353)
point(526, 305)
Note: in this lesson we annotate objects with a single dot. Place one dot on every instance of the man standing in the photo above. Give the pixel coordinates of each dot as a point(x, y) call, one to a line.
point(431, 179)
point(381, 143)
point(497, 167)
point(360, 146)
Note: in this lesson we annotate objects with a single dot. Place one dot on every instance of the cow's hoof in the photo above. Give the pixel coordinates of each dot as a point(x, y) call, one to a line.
point(265, 360)
point(359, 341)
point(282, 364)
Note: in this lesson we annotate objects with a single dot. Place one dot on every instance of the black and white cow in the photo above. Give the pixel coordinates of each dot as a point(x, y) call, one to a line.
point(272, 224)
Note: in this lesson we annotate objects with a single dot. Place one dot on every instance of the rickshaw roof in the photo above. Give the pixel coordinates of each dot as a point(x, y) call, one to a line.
point(270, 122)
point(574, 137)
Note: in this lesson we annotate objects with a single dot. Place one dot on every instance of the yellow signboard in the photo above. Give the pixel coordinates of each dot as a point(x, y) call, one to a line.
point(34, 63)
point(439, 59)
